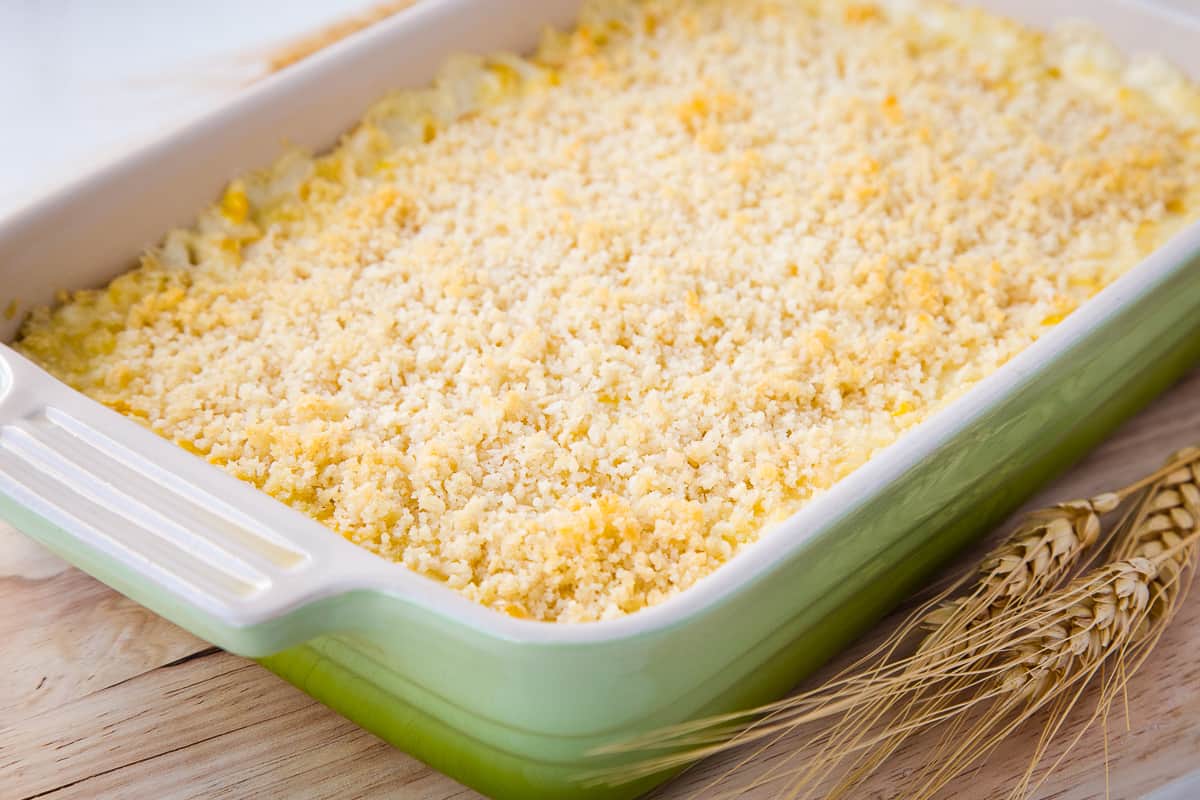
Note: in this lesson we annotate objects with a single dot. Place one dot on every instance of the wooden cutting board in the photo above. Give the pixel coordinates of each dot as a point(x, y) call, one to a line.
point(101, 698)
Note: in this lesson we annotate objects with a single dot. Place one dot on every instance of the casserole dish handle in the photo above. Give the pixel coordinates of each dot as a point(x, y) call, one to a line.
point(160, 525)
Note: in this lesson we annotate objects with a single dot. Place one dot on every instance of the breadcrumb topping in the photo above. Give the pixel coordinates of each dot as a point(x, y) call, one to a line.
point(567, 332)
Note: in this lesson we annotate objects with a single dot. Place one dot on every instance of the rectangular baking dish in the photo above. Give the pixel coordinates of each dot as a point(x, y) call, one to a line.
point(513, 707)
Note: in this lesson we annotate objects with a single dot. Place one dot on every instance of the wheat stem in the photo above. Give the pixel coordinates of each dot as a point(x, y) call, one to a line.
point(1027, 639)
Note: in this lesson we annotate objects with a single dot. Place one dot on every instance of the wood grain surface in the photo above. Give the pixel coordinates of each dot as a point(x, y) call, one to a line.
point(101, 698)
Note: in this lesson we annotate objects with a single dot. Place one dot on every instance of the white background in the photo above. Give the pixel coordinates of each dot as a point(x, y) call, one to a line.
point(83, 80)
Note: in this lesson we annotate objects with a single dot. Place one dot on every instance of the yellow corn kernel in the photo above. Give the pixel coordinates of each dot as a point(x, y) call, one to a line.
point(429, 129)
point(329, 168)
point(891, 109)
point(509, 79)
point(191, 447)
point(859, 13)
point(235, 206)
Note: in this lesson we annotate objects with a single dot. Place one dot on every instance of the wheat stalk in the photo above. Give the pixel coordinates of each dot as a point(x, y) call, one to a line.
point(1039, 554)
point(1116, 612)
point(1020, 643)
point(1039, 659)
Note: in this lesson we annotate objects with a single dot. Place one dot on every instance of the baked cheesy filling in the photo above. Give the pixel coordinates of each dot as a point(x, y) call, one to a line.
point(566, 332)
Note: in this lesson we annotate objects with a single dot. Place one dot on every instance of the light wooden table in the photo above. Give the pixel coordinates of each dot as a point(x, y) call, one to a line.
point(101, 698)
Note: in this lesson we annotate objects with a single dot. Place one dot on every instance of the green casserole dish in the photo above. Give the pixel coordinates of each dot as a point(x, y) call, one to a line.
point(512, 707)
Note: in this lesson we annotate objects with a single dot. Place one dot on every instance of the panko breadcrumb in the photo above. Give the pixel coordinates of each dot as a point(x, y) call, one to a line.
point(567, 332)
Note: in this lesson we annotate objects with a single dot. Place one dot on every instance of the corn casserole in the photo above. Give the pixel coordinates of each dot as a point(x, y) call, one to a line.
point(565, 332)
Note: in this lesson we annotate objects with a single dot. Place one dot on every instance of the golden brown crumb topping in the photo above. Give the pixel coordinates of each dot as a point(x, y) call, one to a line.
point(567, 332)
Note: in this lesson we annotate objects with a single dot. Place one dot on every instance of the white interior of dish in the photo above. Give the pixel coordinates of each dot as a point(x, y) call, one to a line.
point(85, 235)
